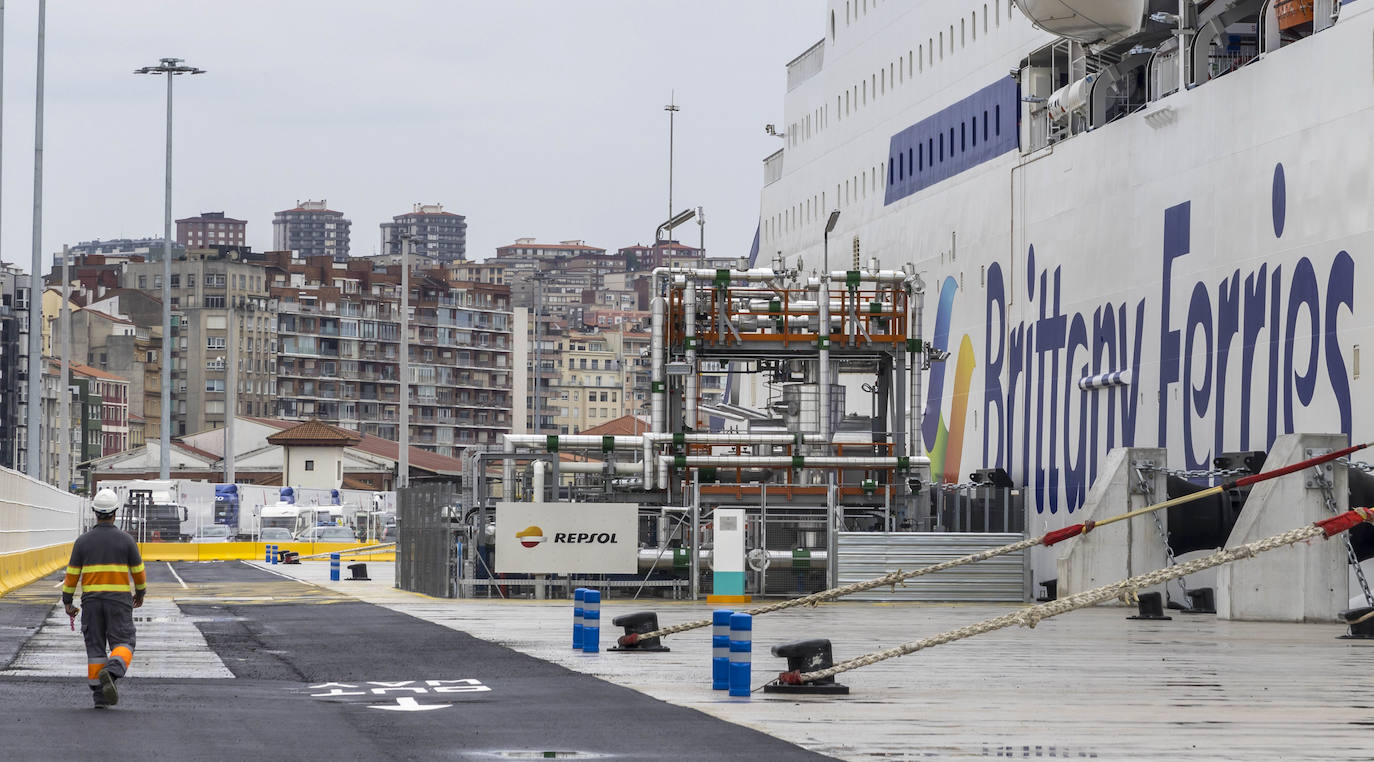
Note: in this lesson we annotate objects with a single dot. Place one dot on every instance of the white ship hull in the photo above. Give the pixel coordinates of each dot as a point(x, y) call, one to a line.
point(1216, 245)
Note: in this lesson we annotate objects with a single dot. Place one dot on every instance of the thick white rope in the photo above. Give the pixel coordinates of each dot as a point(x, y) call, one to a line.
point(364, 550)
point(1032, 615)
point(890, 579)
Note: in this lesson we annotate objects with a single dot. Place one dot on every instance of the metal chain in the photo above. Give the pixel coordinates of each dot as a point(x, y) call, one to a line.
point(1324, 482)
point(1365, 467)
point(1215, 473)
point(1148, 490)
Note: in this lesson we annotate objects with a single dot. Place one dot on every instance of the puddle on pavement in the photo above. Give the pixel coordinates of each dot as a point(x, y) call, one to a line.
point(534, 754)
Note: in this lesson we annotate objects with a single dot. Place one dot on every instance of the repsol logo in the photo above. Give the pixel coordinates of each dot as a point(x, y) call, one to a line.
point(593, 538)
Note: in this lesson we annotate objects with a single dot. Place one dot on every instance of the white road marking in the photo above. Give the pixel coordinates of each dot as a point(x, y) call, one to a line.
point(178, 576)
point(169, 645)
point(405, 704)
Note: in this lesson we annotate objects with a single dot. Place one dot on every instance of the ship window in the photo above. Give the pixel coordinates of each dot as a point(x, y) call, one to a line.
point(975, 130)
point(998, 126)
point(951, 142)
point(942, 46)
point(973, 25)
point(832, 26)
point(963, 34)
point(985, 18)
point(910, 166)
point(942, 146)
point(985, 124)
point(930, 149)
point(908, 63)
point(963, 136)
point(920, 158)
point(891, 179)
point(922, 59)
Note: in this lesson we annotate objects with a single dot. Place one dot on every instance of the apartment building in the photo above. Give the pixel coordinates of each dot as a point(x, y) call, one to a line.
point(14, 357)
point(339, 329)
point(312, 229)
point(211, 289)
point(432, 232)
point(591, 387)
point(211, 229)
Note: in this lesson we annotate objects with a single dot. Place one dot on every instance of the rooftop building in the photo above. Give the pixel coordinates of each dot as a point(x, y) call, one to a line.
point(433, 232)
point(312, 229)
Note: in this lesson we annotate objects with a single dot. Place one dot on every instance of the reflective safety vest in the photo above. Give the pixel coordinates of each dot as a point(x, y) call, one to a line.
point(102, 562)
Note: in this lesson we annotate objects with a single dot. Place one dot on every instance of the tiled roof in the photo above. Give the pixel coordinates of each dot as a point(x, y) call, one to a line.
point(625, 425)
point(385, 448)
point(316, 433)
point(109, 317)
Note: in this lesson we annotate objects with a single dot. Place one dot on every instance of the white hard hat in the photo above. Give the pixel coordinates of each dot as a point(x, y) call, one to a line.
point(106, 502)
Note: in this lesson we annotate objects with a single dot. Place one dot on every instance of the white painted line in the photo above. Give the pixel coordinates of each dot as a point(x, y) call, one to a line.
point(178, 576)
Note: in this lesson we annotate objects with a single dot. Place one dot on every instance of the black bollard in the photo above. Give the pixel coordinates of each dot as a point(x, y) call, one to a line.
point(1202, 600)
point(1051, 590)
point(359, 572)
point(807, 656)
point(1151, 607)
point(1359, 630)
point(290, 557)
point(638, 623)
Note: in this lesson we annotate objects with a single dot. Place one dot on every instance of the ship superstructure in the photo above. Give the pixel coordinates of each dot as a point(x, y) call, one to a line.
point(1121, 244)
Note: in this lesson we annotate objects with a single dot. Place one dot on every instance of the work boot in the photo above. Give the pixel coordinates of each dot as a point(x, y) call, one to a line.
point(98, 698)
point(107, 687)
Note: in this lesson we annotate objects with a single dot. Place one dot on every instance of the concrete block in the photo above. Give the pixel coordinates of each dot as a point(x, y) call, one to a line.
point(1126, 548)
point(1307, 582)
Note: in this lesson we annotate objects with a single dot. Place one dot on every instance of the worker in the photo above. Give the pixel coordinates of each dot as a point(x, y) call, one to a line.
point(103, 559)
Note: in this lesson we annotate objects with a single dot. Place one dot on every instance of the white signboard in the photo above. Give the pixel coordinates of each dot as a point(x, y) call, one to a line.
point(557, 538)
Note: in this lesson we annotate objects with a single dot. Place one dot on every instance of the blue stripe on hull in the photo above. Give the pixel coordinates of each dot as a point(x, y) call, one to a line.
point(976, 129)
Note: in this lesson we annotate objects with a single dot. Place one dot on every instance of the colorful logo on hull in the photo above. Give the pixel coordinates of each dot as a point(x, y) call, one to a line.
point(530, 536)
point(944, 441)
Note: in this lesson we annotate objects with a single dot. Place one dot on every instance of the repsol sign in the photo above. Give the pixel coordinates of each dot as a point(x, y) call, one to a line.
point(596, 538)
point(561, 538)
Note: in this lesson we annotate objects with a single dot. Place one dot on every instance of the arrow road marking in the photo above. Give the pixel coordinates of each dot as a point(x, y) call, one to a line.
point(407, 704)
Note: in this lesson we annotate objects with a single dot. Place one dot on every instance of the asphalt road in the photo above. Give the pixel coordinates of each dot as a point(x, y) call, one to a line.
point(312, 671)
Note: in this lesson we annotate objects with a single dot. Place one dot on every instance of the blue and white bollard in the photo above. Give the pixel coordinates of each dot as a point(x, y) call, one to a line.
point(273, 554)
point(333, 567)
point(591, 622)
point(267, 554)
point(579, 595)
point(741, 647)
point(720, 650)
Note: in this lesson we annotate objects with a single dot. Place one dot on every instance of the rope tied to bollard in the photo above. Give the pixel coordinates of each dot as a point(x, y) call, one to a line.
point(1033, 615)
point(1049, 539)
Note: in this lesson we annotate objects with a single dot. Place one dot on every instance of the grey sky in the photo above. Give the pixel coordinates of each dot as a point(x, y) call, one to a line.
point(533, 118)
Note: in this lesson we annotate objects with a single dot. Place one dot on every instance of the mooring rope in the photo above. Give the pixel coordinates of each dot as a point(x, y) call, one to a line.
point(1049, 539)
point(363, 550)
point(1125, 589)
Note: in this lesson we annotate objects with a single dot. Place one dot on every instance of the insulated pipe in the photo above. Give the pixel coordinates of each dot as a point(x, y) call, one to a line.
point(786, 461)
point(662, 558)
point(598, 467)
point(689, 305)
point(763, 307)
point(823, 341)
point(657, 388)
point(918, 302)
point(753, 274)
point(537, 493)
point(864, 276)
point(570, 441)
point(507, 470)
point(648, 464)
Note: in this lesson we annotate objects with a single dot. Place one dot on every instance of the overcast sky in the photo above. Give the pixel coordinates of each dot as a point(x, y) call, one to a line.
point(538, 118)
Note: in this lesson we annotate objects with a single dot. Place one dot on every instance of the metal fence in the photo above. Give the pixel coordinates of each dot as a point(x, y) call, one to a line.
point(865, 555)
point(426, 545)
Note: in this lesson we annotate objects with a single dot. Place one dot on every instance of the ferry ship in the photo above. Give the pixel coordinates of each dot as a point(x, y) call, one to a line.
point(1139, 222)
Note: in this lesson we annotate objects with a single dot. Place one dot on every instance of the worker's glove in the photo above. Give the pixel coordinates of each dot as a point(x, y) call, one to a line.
point(138, 601)
point(71, 610)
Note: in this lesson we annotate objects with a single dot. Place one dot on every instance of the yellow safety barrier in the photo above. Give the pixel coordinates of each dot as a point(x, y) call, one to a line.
point(248, 551)
point(21, 568)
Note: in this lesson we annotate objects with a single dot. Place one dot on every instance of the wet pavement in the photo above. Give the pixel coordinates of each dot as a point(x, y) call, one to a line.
point(239, 660)
point(235, 662)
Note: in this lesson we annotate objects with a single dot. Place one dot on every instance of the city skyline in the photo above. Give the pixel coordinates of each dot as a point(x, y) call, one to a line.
point(569, 140)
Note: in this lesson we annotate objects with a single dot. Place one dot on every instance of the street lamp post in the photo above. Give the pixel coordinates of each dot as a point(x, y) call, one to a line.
point(35, 417)
point(171, 67)
point(403, 446)
point(672, 110)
